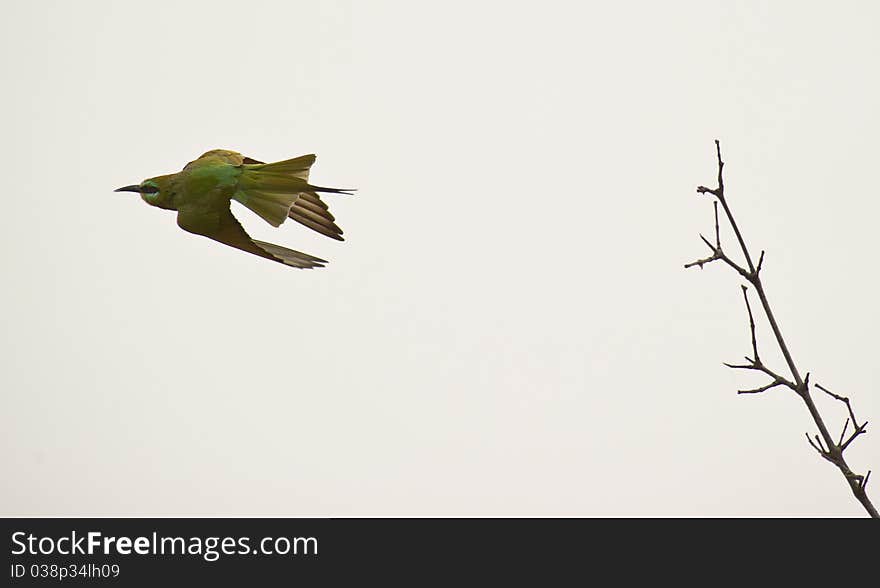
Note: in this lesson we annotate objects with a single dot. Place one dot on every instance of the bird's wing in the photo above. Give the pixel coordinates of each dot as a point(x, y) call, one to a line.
point(223, 155)
point(221, 226)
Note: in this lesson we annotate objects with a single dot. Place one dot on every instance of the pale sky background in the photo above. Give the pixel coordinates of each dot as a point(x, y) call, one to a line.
point(508, 328)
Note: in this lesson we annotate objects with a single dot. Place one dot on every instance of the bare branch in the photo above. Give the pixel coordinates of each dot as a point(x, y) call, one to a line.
point(709, 245)
point(717, 232)
point(705, 190)
point(816, 447)
point(751, 324)
point(749, 366)
point(772, 384)
point(702, 262)
point(717, 253)
point(760, 367)
point(857, 428)
point(843, 432)
point(801, 386)
point(720, 190)
point(843, 399)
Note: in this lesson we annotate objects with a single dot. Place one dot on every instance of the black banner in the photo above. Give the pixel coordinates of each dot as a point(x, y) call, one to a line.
point(133, 552)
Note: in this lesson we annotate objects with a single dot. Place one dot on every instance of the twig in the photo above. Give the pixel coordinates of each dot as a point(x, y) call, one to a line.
point(751, 324)
point(843, 399)
point(764, 388)
point(858, 429)
point(718, 253)
point(801, 386)
point(717, 232)
point(843, 432)
point(760, 367)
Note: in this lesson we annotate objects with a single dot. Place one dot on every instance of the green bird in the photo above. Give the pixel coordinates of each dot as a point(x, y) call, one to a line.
point(201, 193)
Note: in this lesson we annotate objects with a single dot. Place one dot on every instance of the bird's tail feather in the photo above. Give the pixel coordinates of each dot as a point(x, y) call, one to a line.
point(276, 191)
point(297, 167)
point(273, 207)
point(311, 211)
point(269, 194)
point(270, 189)
point(346, 191)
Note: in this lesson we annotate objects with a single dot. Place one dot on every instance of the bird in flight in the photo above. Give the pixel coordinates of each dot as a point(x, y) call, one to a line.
point(201, 193)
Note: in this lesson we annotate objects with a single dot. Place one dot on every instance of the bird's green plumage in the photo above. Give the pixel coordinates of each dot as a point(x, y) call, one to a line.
point(201, 193)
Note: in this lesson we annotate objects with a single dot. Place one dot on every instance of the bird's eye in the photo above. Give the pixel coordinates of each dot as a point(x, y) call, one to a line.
point(149, 189)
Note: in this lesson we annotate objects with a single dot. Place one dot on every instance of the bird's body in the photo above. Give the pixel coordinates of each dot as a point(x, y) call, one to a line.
point(201, 193)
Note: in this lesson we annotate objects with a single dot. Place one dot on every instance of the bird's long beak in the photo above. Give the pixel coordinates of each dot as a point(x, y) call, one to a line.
point(134, 188)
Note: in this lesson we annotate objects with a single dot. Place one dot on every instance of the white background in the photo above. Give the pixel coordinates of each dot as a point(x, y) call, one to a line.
point(508, 328)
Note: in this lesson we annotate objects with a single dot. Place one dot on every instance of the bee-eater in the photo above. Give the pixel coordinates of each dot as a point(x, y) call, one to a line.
point(201, 193)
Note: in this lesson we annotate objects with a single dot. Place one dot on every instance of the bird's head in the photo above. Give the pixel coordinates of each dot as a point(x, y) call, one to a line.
point(155, 191)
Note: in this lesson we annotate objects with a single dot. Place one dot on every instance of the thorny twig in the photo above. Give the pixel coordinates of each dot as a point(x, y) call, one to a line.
point(824, 444)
